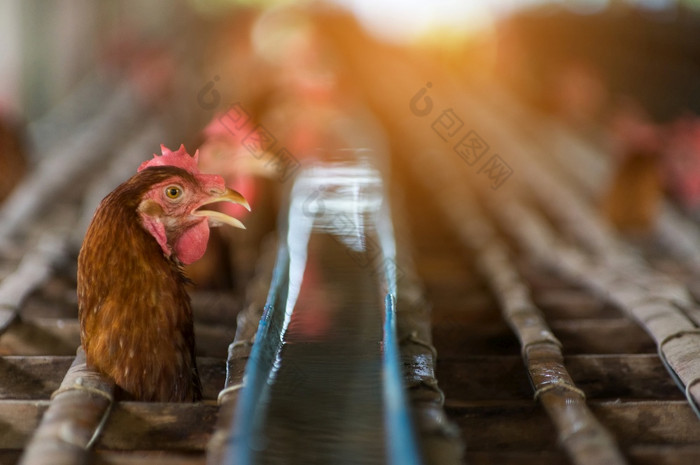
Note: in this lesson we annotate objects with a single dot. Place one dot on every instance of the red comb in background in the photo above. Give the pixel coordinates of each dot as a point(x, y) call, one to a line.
point(682, 161)
point(231, 131)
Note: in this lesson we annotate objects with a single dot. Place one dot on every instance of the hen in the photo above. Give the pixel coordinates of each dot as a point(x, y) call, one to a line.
point(13, 156)
point(135, 315)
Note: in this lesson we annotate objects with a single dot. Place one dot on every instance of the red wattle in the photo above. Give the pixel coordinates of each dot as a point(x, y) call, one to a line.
point(193, 243)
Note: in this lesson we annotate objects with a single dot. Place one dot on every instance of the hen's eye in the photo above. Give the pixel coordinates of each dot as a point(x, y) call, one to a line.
point(173, 192)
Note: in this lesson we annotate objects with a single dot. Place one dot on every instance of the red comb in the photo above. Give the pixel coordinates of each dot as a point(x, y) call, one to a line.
point(179, 158)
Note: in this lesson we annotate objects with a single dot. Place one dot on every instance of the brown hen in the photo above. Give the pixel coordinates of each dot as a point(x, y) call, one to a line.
point(135, 314)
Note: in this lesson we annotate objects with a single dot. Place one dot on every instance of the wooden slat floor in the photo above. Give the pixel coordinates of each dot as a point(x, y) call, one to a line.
point(488, 393)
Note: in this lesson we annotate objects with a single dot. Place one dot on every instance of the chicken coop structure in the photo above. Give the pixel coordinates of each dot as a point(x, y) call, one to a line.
point(437, 287)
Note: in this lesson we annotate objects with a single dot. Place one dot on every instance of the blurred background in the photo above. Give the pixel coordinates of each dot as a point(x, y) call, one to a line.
point(579, 117)
point(622, 73)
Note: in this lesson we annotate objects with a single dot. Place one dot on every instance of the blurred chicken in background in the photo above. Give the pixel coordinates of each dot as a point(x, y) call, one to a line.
point(275, 122)
point(681, 157)
point(13, 155)
point(620, 76)
point(635, 191)
point(223, 152)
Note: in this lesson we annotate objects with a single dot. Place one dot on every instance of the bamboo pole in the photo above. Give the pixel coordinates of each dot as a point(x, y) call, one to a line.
point(75, 418)
point(34, 269)
point(661, 305)
point(585, 440)
point(680, 236)
point(440, 440)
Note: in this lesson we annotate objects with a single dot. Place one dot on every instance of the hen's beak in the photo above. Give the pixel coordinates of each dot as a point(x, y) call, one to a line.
point(217, 218)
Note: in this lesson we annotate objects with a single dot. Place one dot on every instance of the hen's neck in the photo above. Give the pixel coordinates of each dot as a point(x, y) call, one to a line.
point(120, 260)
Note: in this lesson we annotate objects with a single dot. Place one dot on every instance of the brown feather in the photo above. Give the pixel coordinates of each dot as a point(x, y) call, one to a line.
point(135, 313)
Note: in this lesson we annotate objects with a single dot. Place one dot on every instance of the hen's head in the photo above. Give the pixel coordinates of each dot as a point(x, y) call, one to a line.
point(171, 210)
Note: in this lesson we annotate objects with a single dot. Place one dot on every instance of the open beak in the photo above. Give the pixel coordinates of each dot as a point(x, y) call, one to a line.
point(217, 218)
